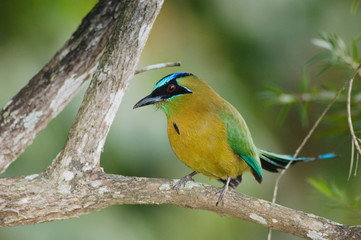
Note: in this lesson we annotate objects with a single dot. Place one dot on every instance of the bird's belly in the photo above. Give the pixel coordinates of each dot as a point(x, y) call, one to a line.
point(205, 150)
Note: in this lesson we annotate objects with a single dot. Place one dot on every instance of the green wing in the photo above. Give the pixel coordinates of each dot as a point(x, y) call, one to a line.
point(240, 140)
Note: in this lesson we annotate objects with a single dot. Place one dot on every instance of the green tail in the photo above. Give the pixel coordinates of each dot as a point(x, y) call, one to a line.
point(273, 161)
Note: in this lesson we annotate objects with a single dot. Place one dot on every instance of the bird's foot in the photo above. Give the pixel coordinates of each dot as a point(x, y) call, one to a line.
point(221, 195)
point(182, 182)
point(223, 192)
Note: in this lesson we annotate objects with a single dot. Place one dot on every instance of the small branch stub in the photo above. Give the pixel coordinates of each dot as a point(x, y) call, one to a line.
point(158, 66)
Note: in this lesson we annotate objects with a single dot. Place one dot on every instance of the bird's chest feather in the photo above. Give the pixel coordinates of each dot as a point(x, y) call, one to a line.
point(200, 141)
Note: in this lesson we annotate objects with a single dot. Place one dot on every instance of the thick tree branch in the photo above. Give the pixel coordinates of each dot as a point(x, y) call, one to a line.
point(117, 66)
point(75, 184)
point(33, 202)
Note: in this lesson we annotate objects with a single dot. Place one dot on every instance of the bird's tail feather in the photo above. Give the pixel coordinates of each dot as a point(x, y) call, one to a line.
point(273, 161)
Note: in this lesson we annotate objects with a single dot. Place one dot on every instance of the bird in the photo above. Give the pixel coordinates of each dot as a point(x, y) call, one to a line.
point(209, 135)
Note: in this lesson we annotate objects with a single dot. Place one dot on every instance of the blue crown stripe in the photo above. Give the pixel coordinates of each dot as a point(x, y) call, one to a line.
point(169, 78)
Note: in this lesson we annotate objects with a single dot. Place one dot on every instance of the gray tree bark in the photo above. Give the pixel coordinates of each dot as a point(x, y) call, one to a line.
point(107, 46)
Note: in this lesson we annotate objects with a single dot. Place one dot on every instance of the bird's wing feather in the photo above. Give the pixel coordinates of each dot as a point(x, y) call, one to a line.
point(240, 140)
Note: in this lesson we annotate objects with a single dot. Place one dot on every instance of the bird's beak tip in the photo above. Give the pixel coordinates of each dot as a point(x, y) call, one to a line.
point(148, 100)
point(136, 106)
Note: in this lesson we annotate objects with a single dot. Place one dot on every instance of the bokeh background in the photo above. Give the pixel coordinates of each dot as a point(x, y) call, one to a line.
point(240, 48)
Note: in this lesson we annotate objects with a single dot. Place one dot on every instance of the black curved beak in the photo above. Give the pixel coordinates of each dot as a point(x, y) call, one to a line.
point(148, 100)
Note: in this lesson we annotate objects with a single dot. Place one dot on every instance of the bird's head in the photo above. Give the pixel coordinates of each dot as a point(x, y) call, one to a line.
point(169, 90)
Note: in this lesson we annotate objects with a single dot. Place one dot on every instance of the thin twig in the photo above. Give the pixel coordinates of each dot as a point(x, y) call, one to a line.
point(298, 150)
point(357, 158)
point(351, 160)
point(157, 66)
point(315, 125)
point(349, 120)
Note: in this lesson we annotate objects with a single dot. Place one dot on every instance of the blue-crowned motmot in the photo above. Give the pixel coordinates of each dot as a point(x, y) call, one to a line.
point(209, 135)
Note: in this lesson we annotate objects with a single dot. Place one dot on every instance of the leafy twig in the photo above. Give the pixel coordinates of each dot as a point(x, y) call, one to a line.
point(304, 141)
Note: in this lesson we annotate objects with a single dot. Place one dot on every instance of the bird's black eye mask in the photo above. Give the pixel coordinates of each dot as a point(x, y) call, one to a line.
point(166, 89)
point(170, 90)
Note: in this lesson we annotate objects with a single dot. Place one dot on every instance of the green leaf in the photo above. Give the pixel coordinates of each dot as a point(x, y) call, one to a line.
point(340, 199)
point(283, 114)
point(304, 81)
point(339, 193)
point(354, 48)
point(357, 38)
point(274, 89)
point(354, 51)
point(322, 43)
point(354, 6)
point(341, 44)
point(319, 57)
point(321, 186)
point(303, 111)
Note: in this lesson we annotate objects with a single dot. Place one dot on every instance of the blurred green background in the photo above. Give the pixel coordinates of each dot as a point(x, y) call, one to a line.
point(239, 48)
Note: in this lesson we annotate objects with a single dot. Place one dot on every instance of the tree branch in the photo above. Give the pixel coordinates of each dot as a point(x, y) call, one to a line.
point(117, 66)
point(32, 203)
point(75, 184)
point(157, 66)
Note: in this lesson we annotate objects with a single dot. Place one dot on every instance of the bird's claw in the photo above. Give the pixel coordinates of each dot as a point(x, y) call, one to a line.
point(223, 192)
point(181, 182)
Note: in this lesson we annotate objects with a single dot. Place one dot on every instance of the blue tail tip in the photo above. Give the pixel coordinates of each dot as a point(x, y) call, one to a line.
point(328, 155)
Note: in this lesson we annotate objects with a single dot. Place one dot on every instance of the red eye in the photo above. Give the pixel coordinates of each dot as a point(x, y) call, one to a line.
point(171, 88)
